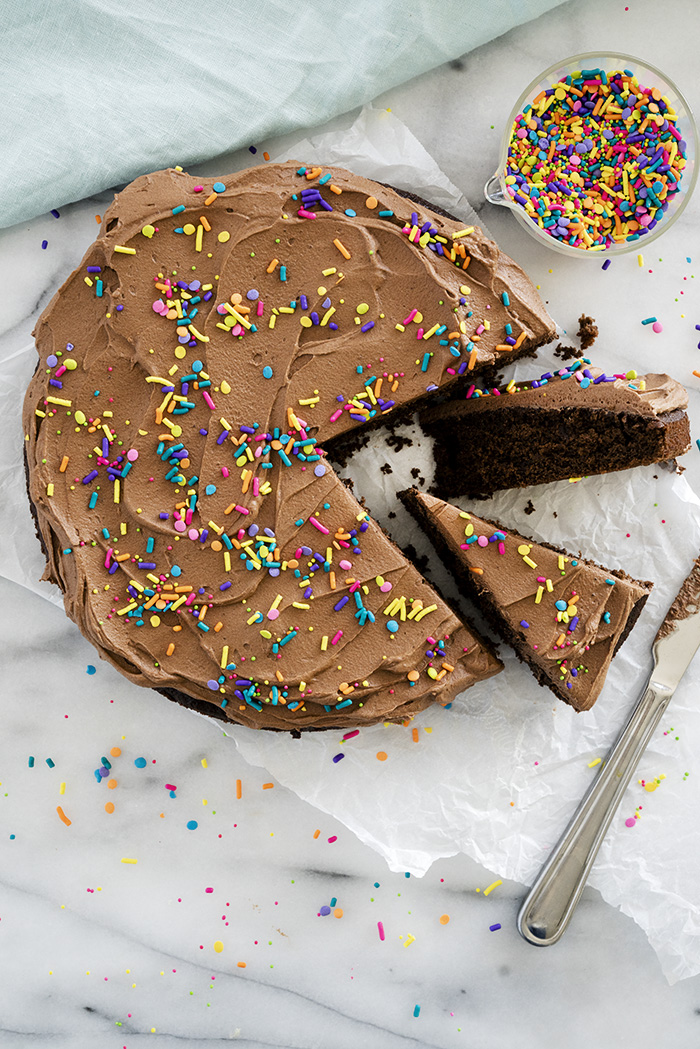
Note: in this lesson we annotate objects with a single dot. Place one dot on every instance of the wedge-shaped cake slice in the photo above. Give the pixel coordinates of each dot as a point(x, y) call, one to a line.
point(570, 423)
point(565, 616)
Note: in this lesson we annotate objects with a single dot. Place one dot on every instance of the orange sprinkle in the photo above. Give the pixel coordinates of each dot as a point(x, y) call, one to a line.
point(334, 189)
point(316, 833)
point(382, 755)
point(205, 223)
point(210, 199)
point(64, 463)
point(109, 807)
point(472, 360)
point(218, 627)
point(98, 218)
point(239, 789)
point(697, 373)
point(111, 783)
point(519, 340)
point(414, 733)
point(115, 752)
point(266, 156)
point(444, 918)
point(241, 965)
point(272, 265)
point(338, 912)
point(63, 816)
point(342, 249)
point(313, 173)
point(477, 571)
point(371, 203)
point(268, 786)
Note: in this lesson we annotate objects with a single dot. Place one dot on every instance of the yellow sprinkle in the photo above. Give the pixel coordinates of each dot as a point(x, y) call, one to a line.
point(116, 490)
point(204, 763)
point(327, 273)
point(49, 488)
point(59, 400)
point(538, 595)
point(324, 642)
point(640, 260)
point(218, 946)
point(88, 281)
point(126, 859)
point(431, 331)
point(493, 885)
point(550, 588)
point(592, 764)
point(198, 239)
point(463, 232)
point(409, 940)
point(124, 251)
point(198, 335)
point(224, 657)
point(528, 561)
point(62, 789)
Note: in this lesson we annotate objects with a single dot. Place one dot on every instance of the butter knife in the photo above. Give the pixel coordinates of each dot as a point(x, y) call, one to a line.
point(550, 903)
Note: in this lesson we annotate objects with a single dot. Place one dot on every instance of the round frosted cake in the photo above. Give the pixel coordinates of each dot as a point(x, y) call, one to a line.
point(220, 338)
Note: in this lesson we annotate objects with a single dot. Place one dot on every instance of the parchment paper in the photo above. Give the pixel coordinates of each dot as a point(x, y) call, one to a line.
point(498, 774)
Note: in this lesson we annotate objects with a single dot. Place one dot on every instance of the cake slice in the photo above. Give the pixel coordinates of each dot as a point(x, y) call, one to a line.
point(570, 423)
point(565, 616)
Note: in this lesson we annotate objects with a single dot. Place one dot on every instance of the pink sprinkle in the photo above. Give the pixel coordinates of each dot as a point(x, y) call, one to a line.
point(501, 547)
point(333, 838)
point(190, 599)
point(159, 306)
point(193, 534)
point(197, 189)
point(241, 509)
point(380, 928)
point(657, 326)
point(317, 524)
point(496, 393)
point(273, 613)
point(630, 822)
point(336, 639)
point(419, 333)
point(470, 391)
point(306, 214)
point(60, 371)
point(108, 558)
point(450, 371)
point(170, 786)
point(188, 516)
point(349, 735)
point(410, 316)
point(480, 330)
point(236, 329)
point(180, 526)
point(260, 307)
point(132, 455)
point(224, 471)
point(256, 487)
point(345, 565)
point(336, 415)
point(209, 401)
point(208, 890)
point(482, 541)
point(386, 587)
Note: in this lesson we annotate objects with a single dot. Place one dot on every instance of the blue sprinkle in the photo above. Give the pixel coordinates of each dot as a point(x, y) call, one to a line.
point(192, 825)
point(91, 669)
point(219, 187)
point(392, 626)
point(350, 213)
point(140, 763)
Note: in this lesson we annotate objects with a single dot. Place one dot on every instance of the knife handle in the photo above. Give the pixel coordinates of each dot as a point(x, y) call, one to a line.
point(551, 901)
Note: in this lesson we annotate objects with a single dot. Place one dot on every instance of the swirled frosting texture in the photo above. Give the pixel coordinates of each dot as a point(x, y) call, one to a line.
point(212, 337)
point(565, 616)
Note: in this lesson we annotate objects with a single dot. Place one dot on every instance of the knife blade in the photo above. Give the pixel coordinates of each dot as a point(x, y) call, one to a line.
point(551, 901)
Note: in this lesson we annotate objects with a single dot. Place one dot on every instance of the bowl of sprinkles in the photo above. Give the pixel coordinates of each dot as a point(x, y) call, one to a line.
point(599, 155)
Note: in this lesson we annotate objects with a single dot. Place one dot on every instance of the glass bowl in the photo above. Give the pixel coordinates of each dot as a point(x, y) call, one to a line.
point(647, 75)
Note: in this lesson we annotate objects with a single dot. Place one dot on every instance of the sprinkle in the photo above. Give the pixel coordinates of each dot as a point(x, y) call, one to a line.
point(342, 249)
point(380, 930)
point(124, 251)
point(493, 885)
point(416, 1010)
point(494, 928)
point(62, 816)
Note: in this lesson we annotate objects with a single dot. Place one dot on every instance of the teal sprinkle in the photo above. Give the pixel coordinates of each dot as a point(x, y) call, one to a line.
point(610, 582)
point(178, 209)
point(93, 500)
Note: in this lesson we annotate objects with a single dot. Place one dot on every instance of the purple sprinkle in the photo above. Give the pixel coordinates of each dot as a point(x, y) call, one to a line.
point(337, 758)
point(213, 685)
point(325, 911)
point(44, 244)
point(494, 928)
point(606, 264)
point(524, 623)
point(56, 214)
point(367, 326)
point(226, 585)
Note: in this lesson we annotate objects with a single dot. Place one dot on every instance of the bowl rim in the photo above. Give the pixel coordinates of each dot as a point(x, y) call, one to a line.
point(692, 136)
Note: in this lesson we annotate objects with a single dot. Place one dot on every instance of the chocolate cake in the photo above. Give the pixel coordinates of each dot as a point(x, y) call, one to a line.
point(565, 616)
point(215, 335)
point(569, 423)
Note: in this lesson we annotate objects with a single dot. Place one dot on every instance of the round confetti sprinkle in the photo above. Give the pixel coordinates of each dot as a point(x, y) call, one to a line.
point(267, 372)
point(192, 824)
point(91, 669)
point(392, 626)
point(140, 763)
point(218, 946)
point(224, 236)
point(382, 755)
point(218, 187)
point(444, 918)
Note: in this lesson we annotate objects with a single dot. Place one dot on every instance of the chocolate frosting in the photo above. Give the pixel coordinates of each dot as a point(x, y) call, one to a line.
point(570, 651)
point(651, 395)
point(214, 333)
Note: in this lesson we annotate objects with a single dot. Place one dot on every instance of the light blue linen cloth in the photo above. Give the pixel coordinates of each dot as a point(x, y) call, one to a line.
point(96, 92)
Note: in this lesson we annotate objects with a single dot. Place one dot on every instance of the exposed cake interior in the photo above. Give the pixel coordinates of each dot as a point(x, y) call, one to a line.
point(569, 423)
point(565, 616)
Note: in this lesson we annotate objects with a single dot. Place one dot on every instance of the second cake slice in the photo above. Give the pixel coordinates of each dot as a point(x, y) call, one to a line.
point(565, 616)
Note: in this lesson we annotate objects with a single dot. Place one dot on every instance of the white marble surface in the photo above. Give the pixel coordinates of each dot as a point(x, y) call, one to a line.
point(97, 951)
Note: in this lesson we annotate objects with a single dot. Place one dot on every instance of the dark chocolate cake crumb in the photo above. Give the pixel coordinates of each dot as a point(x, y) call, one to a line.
point(529, 507)
point(398, 442)
point(587, 331)
point(391, 514)
point(567, 353)
point(421, 561)
point(414, 472)
point(386, 468)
